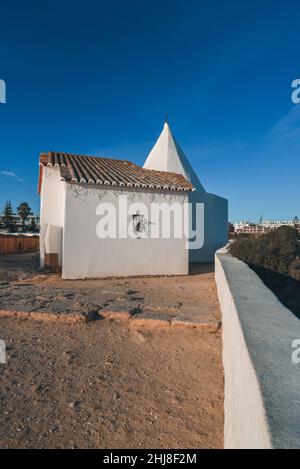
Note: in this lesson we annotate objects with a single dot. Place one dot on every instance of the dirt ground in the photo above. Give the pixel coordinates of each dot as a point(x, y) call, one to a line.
point(164, 298)
point(110, 384)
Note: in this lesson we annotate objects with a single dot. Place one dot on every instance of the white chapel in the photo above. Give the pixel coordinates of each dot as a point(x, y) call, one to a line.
point(76, 191)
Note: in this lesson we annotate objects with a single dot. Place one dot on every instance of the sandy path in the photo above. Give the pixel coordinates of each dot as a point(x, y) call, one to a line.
point(108, 384)
point(105, 384)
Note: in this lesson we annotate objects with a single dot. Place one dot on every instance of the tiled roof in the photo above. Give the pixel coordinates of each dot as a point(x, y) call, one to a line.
point(107, 171)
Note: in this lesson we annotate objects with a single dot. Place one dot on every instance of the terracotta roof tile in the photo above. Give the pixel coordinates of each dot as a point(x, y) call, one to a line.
point(107, 171)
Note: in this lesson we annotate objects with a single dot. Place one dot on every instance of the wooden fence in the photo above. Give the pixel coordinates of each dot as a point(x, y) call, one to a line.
point(13, 244)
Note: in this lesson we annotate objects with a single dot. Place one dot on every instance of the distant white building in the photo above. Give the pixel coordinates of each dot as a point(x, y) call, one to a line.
point(75, 189)
point(264, 226)
point(248, 227)
point(277, 223)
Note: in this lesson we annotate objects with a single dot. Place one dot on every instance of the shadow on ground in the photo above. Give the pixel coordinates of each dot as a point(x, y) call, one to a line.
point(197, 268)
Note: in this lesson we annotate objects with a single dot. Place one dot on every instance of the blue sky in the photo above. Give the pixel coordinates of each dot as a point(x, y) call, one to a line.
point(99, 78)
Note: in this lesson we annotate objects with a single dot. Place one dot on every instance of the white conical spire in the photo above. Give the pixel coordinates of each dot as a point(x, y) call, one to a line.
point(166, 155)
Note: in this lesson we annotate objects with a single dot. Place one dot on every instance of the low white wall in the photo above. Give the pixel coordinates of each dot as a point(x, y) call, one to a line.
point(262, 384)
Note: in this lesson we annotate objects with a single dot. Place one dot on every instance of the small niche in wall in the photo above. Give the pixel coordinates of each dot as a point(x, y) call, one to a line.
point(138, 223)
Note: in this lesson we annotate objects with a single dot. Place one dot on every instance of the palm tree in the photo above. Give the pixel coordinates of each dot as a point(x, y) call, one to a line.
point(33, 225)
point(8, 218)
point(23, 211)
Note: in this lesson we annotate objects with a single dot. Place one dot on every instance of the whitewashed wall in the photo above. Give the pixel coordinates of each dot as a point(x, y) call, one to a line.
point(85, 255)
point(262, 383)
point(52, 210)
point(215, 225)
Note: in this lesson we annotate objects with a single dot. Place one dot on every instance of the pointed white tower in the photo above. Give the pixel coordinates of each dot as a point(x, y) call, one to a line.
point(166, 155)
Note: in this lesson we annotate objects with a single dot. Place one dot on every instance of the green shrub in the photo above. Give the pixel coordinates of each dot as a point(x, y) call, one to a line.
point(278, 250)
point(294, 271)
